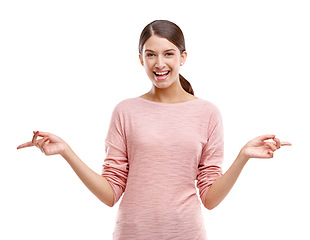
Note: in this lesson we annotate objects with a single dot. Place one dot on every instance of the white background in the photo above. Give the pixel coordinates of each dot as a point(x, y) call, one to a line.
point(66, 64)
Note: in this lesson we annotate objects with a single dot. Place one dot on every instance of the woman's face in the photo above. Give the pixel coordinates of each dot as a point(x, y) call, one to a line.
point(161, 60)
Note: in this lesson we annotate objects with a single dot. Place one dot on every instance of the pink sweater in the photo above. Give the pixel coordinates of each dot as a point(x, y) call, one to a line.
point(155, 152)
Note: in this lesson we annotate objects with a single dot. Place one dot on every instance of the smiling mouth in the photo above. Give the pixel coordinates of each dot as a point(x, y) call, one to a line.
point(159, 74)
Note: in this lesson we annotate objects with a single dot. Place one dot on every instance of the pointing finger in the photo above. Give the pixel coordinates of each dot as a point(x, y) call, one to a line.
point(286, 144)
point(28, 144)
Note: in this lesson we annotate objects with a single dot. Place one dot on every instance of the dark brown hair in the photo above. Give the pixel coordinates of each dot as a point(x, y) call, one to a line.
point(172, 33)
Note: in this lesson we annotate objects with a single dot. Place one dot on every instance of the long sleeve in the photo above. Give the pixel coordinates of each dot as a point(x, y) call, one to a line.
point(115, 167)
point(210, 165)
point(155, 153)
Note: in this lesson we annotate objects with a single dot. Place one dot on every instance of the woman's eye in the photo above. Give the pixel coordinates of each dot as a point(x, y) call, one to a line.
point(169, 54)
point(150, 55)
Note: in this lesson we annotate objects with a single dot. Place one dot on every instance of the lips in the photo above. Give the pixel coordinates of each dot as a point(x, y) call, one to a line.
point(161, 75)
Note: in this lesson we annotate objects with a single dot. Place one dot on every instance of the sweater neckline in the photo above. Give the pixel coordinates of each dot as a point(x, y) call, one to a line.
point(168, 104)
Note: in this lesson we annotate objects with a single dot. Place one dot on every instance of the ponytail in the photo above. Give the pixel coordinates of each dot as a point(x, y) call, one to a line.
point(186, 85)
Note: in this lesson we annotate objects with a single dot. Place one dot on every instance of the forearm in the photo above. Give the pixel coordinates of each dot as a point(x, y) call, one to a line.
point(96, 183)
point(222, 186)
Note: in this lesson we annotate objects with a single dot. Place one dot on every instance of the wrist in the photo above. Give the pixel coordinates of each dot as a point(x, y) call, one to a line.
point(243, 156)
point(66, 152)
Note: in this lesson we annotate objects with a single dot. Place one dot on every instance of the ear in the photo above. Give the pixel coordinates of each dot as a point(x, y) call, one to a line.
point(141, 59)
point(183, 57)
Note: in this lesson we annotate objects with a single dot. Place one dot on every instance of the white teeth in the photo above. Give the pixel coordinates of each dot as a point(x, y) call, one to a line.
point(161, 73)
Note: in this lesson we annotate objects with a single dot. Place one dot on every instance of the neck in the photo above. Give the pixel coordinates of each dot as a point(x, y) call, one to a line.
point(172, 94)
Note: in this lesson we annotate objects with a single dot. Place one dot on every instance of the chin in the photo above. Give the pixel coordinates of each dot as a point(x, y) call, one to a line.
point(162, 83)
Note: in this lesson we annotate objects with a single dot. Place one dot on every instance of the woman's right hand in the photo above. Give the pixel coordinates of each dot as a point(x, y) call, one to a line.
point(49, 144)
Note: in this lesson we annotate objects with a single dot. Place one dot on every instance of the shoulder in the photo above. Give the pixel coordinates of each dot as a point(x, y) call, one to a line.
point(210, 107)
point(211, 114)
point(125, 105)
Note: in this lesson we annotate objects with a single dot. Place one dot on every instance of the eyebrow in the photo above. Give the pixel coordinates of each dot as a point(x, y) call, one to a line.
point(168, 50)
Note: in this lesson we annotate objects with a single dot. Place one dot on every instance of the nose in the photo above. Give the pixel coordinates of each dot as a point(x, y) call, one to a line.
point(160, 63)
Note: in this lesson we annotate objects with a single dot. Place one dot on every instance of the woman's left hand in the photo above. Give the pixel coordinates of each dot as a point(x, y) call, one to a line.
point(260, 147)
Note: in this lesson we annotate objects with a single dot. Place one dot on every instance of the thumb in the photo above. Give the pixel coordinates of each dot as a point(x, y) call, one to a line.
point(41, 134)
point(51, 136)
point(266, 137)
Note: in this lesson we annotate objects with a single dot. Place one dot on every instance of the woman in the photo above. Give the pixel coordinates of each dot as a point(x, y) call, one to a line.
point(158, 145)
